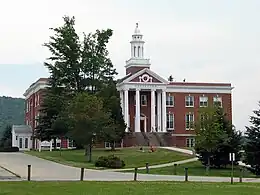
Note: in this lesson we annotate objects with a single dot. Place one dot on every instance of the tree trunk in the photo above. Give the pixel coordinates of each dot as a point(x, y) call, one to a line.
point(55, 143)
point(88, 152)
point(113, 147)
point(208, 165)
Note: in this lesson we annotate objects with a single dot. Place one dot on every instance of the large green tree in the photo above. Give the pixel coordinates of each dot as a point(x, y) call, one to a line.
point(75, 66)
point(87, 120)
point(216, 138)
point(252, 145)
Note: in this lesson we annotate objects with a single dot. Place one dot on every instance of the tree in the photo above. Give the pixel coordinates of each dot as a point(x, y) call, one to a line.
point(74, 67)
point(216, 138)
point(111, 101)
point(87, 120)
point(6, 140)
point(252, 146)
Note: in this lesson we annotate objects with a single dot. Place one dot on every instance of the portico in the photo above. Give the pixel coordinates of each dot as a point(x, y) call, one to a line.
point(142, 91)
point(155, 103)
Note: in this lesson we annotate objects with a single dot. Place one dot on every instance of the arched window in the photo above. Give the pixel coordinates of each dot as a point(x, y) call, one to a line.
point(134, 50)
point(139, 51)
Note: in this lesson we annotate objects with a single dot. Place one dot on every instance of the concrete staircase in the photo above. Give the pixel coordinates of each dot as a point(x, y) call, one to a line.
point(153, 140)
point(161, 138)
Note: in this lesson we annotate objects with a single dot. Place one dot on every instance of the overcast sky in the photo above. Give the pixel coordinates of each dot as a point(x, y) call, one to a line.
point(202, 40)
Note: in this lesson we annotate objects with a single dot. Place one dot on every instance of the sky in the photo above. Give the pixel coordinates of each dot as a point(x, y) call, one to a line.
point(202, 41)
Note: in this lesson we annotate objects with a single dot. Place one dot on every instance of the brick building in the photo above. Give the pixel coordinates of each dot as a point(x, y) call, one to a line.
point(33, 98)
point(156, 111)
point(159, 112)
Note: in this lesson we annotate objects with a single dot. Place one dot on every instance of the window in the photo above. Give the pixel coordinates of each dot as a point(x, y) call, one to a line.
point(35, 100)
point(138, 51)
point(189, 121)
point(107, 145)
point(203, 101)
point(189, 101)
point(170, 100)
point(143, 100)
point(26, 142)
point(71, 143)
point(16, 138)
point(20, 142)
point(38, 99)
point(190, 142)
point(217, 101)
point(170, 121)
point(134, 50)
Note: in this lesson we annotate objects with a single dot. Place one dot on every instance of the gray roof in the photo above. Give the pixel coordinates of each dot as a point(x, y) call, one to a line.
point(22, 128)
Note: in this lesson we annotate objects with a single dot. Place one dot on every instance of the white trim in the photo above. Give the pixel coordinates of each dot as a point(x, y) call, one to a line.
point(183, 135)
point(146, 70)
point(35, 88)
point(199, 89)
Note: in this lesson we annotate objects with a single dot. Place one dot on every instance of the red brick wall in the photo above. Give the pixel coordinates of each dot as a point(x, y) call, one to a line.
point(133, 70)
point(179, 111)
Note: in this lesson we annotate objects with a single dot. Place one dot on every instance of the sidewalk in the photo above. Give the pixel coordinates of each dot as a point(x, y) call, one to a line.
point(156, 166)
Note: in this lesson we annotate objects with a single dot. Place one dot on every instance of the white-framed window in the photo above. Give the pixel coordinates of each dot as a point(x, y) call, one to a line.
point(217, 101)
point(143, 100)
point(170, 100)
point(170, 121)
point(189, 121)
point(204, 101)
point(35, 100)
point(71, 143)
point(189, 101)
point(190, 142)
point(38, 99)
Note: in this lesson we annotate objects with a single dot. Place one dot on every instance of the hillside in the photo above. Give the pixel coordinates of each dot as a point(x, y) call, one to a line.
point(11, 111)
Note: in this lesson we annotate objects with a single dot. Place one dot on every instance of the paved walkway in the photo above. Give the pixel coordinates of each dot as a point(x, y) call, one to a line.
point(185, 151)
point(6, 175)
point(44, 170)
point(157, 166)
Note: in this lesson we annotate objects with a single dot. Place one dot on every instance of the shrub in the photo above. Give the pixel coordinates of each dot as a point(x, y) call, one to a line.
point(110, 161)
point(9, 149)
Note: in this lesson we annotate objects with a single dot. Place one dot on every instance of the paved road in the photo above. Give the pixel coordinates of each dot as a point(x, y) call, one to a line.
point(43, 170)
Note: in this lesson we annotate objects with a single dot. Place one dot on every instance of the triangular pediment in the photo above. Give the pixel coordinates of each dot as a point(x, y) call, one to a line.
point(145, 76)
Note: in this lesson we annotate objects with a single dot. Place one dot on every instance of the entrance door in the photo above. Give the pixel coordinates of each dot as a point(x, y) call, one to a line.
point(142, 125)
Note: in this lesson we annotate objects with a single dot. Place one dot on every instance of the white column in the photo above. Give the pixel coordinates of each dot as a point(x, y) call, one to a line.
point(126, 112)
point(122, 102)
point(153, 110)
point(164, 111)
point(137, 110)
point(159, 111)
point(51, 146)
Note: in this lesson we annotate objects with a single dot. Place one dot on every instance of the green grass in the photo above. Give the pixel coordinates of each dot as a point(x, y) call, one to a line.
point(197, 169)
point(133, 157)
point(125, 188)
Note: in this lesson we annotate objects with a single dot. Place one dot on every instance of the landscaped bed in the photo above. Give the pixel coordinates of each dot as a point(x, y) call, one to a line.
point(197, 169)
point(131, 188)
point(132, 157)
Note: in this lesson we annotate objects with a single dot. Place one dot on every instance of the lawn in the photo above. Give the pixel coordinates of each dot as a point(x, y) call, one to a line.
point(133, 157)
point(197, 169)
point(124, 188)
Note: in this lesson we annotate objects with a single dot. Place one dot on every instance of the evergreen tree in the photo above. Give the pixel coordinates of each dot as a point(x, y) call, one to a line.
point(111, 100)
point(6, 140)
point(252, 145)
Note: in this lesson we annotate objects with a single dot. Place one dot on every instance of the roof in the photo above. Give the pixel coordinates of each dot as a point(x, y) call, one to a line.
point(22, 128)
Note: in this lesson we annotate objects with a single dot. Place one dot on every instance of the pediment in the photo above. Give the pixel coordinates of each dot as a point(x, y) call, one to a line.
point(145, 76)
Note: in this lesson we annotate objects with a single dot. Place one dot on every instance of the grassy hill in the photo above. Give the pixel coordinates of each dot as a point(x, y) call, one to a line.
point(11, 112)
